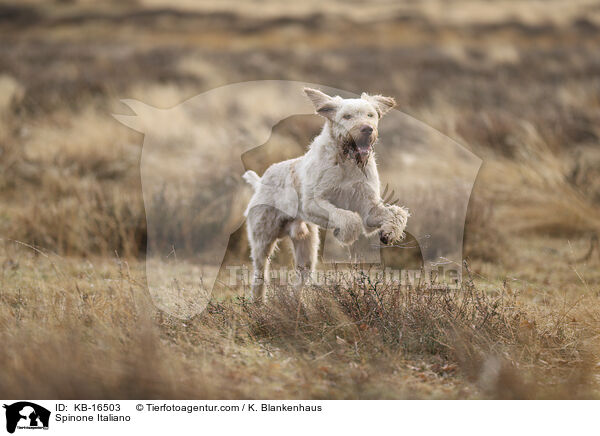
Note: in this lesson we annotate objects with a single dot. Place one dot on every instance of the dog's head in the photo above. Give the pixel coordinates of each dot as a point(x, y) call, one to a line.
point(353, 121)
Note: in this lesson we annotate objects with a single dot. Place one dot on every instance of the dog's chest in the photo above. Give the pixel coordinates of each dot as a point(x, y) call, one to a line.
point(352, 182)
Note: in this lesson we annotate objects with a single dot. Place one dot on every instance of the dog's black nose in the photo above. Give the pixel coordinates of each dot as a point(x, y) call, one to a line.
point(366, 129)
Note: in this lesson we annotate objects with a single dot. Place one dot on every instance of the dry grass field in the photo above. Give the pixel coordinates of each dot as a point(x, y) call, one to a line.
point(515, 83)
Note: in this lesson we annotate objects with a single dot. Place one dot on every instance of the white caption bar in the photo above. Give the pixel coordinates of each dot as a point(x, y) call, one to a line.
point(158, 417)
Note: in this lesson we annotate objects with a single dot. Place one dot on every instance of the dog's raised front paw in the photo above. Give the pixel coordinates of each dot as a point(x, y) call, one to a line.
point(348, 228)
point(392, 229)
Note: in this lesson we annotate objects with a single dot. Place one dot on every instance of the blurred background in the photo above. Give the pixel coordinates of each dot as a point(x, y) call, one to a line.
point(515, 82)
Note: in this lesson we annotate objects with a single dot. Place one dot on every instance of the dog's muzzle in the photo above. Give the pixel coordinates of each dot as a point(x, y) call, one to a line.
point(358, 144)
point(363, 142)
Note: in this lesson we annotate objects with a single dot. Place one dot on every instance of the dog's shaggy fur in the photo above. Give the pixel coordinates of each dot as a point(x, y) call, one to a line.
point(334, 185)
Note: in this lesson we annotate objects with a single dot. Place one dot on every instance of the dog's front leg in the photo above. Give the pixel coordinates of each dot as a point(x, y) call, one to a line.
point(390, 220)
point(347, 225)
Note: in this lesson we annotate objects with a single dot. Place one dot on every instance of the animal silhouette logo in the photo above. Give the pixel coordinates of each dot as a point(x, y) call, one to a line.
point(26, 415)
point(194, 195)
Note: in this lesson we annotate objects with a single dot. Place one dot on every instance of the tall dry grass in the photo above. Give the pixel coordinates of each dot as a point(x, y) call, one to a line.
point(88, 330)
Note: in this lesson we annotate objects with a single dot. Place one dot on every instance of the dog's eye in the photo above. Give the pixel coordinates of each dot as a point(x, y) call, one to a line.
point(347, 116)
point(371, 115)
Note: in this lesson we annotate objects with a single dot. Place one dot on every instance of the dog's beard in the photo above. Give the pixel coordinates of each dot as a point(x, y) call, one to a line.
point(359, 151)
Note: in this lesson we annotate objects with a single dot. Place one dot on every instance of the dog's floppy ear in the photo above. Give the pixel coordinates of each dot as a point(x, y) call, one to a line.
point(381, 104)
point(324, 105)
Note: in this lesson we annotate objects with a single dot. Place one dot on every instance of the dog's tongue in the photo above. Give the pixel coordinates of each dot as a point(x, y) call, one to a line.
point(363, 149)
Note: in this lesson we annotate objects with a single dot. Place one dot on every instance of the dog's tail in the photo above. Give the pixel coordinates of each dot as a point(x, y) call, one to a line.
point(252, 178)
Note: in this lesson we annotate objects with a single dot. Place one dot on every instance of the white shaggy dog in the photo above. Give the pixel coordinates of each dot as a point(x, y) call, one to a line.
point(334, 185)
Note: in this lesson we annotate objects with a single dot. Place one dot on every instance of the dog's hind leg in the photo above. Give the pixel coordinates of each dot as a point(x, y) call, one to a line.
point(263, 231)
point(260, 263)
point(306, 250)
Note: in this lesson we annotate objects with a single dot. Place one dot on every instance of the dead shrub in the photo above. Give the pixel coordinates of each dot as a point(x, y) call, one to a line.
point(496, 340)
